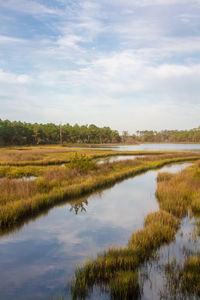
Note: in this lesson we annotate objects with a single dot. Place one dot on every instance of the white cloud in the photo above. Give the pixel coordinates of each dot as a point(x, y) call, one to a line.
point(175, 71)
point(11, 78)
point(143, 3)
point(69, 41)
point(8, 39)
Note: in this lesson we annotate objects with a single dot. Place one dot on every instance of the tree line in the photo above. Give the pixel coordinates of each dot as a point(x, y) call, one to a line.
point(167, 136)
point(22, 133)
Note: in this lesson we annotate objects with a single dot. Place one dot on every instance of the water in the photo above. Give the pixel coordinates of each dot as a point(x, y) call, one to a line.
point(159, 283)
point(152, 147)
point(37, 261)
point(117, 158)
point(25, 178)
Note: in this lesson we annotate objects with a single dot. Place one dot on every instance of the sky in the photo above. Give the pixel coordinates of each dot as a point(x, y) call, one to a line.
point(128, 64)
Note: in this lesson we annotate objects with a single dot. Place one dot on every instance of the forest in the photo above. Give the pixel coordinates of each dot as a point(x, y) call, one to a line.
point(22, 133)
point(164, 136)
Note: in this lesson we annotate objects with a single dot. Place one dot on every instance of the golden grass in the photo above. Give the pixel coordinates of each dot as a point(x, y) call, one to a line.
point(57, 184)
point(52, 155)
point(190, 276)
point(19, 172)
point(12, 190)
point(176, 194)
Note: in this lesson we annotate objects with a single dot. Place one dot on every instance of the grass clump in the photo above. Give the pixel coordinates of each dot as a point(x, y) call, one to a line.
point(125, 285)
point(160, 227)
point(195, 205)
point(190, 274)
point(116, 269)
point(183, 281)
point(177, 193)
point(174, 193)
point(164, 176)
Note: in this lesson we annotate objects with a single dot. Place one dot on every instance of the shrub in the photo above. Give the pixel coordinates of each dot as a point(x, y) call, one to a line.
point(81, 162)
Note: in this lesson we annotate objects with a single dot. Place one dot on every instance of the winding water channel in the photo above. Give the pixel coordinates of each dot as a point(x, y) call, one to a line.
point(37, 261)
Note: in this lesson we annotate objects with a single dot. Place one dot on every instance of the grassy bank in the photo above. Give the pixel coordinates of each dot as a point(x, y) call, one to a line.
point(177, 193)
point(22, 199)
point(15, 163)
point(116, 270)
point(56, 155)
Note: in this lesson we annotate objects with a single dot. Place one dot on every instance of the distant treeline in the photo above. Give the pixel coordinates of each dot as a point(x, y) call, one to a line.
point(19, 133)
point(168, 136)
point(22, 133)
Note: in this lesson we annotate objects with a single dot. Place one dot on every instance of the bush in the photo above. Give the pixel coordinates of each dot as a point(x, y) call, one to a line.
point(81, 162)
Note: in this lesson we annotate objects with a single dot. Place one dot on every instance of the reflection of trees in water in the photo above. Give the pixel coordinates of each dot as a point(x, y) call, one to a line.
point(79, 206)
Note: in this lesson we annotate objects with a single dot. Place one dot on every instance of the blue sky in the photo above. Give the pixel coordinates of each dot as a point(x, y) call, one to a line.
point(127, 64)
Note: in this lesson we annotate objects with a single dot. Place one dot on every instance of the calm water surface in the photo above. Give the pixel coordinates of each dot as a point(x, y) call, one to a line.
point(152, 147)
point(37, 261)
point(117, 158)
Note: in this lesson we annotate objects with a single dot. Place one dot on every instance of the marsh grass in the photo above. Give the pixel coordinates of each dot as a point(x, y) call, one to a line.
point(190, 275)
point(182, 281)
point(55, 155)
point(19, 172)
point(56, 184)
point(176, 193)
point(43, 155)
point(117, 268)
point(12, 190)
point(124, 286)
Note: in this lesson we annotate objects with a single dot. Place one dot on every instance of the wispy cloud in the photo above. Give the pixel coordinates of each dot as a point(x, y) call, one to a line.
point(28, 7)
point(10, 39)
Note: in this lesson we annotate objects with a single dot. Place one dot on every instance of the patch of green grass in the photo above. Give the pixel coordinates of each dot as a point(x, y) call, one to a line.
point(19, 172)
point(124, 285)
